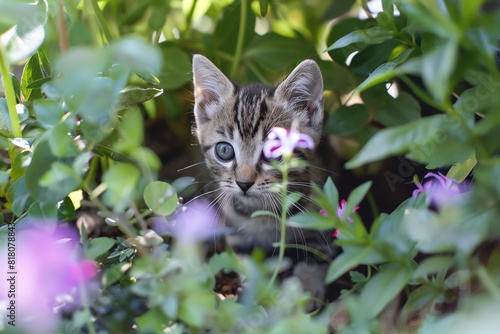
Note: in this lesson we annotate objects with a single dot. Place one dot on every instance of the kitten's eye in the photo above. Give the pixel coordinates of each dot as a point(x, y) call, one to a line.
point(224, 151)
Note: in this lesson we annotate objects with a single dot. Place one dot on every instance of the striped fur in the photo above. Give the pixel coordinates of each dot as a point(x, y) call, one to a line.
point(242, 116)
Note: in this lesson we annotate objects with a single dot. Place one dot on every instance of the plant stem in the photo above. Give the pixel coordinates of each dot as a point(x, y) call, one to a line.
point(281, 253)
point(85, 302)
point(189, 17)
point(241, 36)
point(61, 30)
point(488, 282)
point(101, 20)
point(311, 250)
point(373, 204)
point(94, 29)
point(257, 73)
point(10, 95)
point(421, 93)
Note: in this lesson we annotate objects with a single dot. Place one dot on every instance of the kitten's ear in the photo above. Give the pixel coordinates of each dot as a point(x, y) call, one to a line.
point(303, 89)
point(211, 86)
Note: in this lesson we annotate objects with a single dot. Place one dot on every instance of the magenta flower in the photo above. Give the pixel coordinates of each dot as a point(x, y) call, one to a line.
point(340, 214)
point(282, 142)
point(439, 188)
point(45, 266)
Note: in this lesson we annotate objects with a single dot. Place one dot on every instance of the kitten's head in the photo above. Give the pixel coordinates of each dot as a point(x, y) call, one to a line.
point(232, 123)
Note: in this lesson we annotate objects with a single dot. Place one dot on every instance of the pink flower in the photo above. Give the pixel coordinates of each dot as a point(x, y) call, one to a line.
point(44, 266)
point(341, 210)
point(439, 188)
point(282, 142)
point(340, 214)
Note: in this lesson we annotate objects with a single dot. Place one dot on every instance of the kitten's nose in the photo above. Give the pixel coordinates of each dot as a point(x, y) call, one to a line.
point(244, 185)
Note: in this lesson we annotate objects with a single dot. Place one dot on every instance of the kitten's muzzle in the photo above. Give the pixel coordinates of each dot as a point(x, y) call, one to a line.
point(244, 185)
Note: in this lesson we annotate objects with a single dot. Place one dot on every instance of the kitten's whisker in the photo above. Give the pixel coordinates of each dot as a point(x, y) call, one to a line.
point(201, 195)
point(190, 166)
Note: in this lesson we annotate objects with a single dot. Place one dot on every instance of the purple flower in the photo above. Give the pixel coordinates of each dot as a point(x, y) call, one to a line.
point(46, 265)
point(282, 142)
point(340, 214)
point(439, 188)
point(194, 221)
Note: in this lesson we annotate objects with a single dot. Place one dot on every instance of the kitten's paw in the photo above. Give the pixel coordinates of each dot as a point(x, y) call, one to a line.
point(312, 277)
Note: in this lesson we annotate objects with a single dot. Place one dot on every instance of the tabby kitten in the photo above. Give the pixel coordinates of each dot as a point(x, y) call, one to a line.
point(232, 123)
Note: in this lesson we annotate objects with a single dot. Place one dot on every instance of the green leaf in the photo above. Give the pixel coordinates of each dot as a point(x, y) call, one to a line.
point(336, 77)
point(161, 198)
point(357, 195)
point(184, 185)
point(338, 8)
point(437, 68)
point(397, 140)
point(331, 192)
point(90, 62)
point(5, 123)
point(32, 72)
point(115, 273)
point(121, 183)
point(453, 231)
point(48, 112)
point(158, 17)
point(367, 60)
point(224, 36)
point(97, 105)
point(347, 120)
point(460, 170)
point(472, 100)
point(18, 196)
point(363, 36)
point(4, 178)
point(131, 131)
point(65, 209)
point(60, 141)
point(387, 71)
point(424, 16)
point(345, 262)
point(340, 30)
point(381, 289)
point(132, 96)
point(29, 34)
point(312, 221)
point(60, 179)
point(153, 320)
point(47, 183)
point(276, 52)
point(177, 70)
point(43, 211)
point(391, 111)
point(419, 298)
point(264, 213)
point(444, 151)
point(227, 261)
point(263, 7)
point(79, 33)
point(137, 54)
point(99, 246)
point(432, 265)
point(195, 308)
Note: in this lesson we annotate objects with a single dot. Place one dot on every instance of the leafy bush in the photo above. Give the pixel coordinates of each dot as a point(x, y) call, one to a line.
point(90, 76)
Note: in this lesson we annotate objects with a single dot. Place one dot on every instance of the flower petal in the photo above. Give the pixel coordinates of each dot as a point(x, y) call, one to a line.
point(305, 142)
